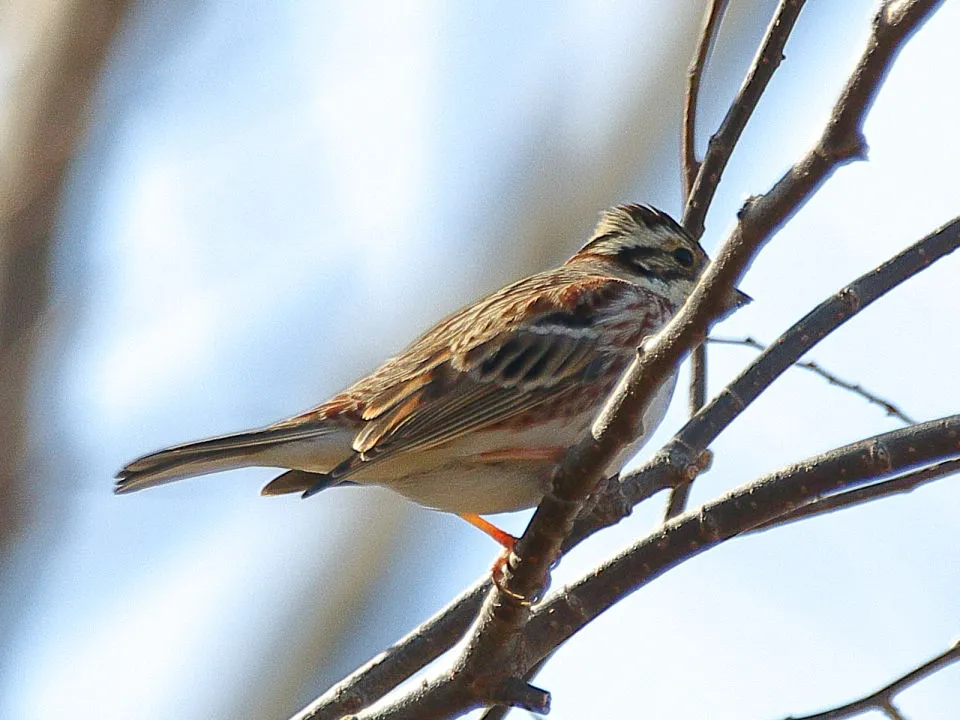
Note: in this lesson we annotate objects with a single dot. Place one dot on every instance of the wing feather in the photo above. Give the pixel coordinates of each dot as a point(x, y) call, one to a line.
point(499, 359)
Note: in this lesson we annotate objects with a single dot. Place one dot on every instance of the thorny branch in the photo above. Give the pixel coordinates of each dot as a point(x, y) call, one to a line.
point(882, 699)
point(508, 638)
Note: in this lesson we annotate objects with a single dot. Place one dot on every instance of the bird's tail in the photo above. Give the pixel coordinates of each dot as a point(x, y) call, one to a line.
point(275, 446)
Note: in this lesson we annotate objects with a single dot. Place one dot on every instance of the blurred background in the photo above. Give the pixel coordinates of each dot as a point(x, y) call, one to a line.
point(216, 214)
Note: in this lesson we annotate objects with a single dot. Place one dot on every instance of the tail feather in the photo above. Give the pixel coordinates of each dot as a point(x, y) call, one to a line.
point(275, 446)
point(298, 481)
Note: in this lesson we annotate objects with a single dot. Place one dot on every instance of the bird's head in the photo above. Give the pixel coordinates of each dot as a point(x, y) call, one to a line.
point(647, 247)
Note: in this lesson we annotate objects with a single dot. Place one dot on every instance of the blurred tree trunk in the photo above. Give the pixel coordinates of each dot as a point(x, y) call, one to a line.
point(55, 50)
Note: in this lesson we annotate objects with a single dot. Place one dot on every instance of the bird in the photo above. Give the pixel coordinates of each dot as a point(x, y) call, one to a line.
point(474, 415)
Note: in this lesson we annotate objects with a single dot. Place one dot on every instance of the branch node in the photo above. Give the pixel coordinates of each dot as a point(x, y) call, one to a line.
point(880, 458)
point(699, 466)
point(891, 14)
point(608, 503)
point(850, 299)
point(711, 526)
point(747, 206)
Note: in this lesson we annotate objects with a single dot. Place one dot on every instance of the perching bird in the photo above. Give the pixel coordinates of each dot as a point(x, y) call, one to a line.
point(473, 416)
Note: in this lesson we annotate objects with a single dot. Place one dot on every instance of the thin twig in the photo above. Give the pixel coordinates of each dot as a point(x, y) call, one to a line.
point(857, 389)
point(841, 142)
point(699, 187)
point(722, 143)
point(498, 712)
point(882, 699)
point(680, 494)
point(579, 471)
point(712, 18)
point(698, 378)
point(686, 446)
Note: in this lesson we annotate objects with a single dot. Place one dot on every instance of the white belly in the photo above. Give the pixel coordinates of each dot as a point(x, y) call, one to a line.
point(460, 477)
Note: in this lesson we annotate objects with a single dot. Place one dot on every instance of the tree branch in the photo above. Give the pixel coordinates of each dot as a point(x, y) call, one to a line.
point(496, 635)
point(407, 656)
point(882, 699)
point(677, 461)
point(708, 34)
point(721, 152)
point(615, 499)
point(507, 638)
point(680, 494)
point(841, 501)
point(739, 511)
point(890, 408)
point(659, 473)
point(722, 143)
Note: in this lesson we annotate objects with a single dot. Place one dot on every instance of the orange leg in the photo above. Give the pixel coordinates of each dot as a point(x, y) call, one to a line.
point(505, 539)
point(501, 564)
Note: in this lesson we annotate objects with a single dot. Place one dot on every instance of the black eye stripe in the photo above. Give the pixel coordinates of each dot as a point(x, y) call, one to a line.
point(684, 257)
point(632, 255)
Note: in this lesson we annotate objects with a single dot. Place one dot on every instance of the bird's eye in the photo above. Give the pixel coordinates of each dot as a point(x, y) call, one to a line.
point(684, 257)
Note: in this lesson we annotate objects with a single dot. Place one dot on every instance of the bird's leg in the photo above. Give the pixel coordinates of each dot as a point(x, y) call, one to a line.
point(499, 568)
point(485, 526)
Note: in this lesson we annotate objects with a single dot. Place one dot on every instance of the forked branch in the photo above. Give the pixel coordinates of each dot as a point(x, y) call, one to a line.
point(508, 638)
point(908, 482)
point(738, 512)
point(669, 465)
point(723, 142)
